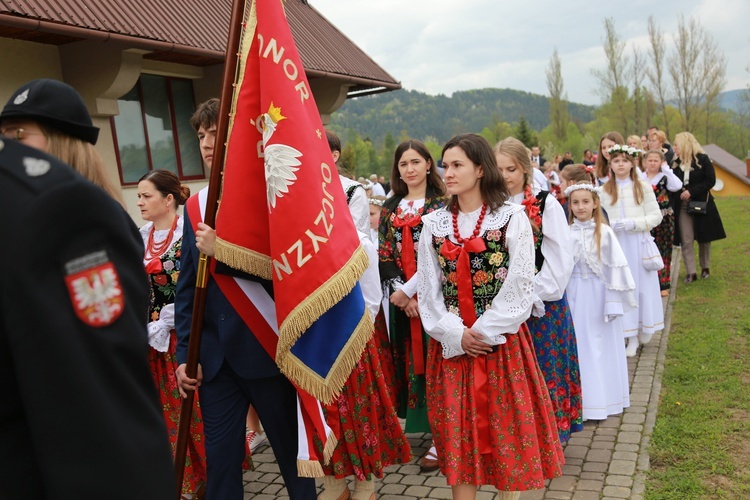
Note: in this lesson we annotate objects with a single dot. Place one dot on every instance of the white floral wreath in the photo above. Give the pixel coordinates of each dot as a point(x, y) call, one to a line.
point(376, 202)
point(628, 150)
point(583, 185)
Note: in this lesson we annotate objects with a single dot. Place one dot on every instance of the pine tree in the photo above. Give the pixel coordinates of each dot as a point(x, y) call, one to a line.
point(524, 133)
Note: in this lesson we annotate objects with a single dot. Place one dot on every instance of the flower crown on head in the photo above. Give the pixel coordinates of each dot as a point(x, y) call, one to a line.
point(628, 150)
point(376, 202)
point(583, 185)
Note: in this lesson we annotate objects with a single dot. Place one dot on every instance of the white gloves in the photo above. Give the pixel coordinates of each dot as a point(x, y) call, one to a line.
point(623, 225)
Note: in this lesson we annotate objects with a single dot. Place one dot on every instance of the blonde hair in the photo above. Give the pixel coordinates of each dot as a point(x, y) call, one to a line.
point(610, 187)
point(596, 214)
point(689, 150)
point(516, 151)
point(637, 139)
point(83, 157)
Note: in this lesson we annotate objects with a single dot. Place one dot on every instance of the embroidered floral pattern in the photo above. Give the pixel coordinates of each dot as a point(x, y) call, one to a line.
point(664, 233)
point(408, 388)
point(163, 366)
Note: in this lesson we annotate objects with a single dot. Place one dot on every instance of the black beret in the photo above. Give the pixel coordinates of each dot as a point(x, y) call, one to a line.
point(53, 103)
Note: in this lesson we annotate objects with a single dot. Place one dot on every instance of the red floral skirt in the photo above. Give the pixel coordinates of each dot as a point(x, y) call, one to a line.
point(385, 353)
point(364, 419)
point(524, 448)
point(163, 366)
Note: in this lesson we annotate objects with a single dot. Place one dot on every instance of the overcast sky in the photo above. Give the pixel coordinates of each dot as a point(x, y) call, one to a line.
point(440, 46)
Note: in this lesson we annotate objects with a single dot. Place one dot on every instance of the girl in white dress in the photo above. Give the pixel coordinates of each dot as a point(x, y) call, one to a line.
point(633, 212)
point(600, 290)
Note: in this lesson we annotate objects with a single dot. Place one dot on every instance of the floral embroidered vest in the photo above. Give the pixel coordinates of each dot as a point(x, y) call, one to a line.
point(662, 195)
point(164, 282)
point(488, 271)
point(389, 248)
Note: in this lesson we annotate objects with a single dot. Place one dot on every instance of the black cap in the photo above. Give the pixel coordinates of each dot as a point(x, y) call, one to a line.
point(52, 103)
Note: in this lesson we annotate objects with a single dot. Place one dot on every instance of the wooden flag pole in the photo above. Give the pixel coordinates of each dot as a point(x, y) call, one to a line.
point(214, 185)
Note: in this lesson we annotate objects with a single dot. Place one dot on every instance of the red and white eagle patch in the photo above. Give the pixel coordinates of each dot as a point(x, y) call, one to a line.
point(94, 289)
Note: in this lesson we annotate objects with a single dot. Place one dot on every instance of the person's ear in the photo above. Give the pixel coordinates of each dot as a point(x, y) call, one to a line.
point(336, 156)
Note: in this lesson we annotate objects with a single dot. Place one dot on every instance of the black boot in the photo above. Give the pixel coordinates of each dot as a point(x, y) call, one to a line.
point(691, 277)
point(704, 273)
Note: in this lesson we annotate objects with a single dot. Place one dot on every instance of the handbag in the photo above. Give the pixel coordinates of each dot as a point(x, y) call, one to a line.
point(698, 207)
point(650, 255)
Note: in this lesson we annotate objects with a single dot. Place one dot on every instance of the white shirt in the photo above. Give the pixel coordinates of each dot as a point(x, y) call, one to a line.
point(512, 304)
point(552, 278)
point(359, 207)
point(540, 181)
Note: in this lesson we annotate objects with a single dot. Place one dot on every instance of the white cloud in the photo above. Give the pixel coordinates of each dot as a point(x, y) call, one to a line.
point(441, 46)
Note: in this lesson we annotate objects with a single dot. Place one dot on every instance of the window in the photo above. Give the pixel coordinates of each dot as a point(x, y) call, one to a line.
point(153, 130)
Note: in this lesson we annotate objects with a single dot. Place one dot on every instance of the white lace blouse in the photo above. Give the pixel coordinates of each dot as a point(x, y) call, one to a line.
point(510, 307)
point(552, 278)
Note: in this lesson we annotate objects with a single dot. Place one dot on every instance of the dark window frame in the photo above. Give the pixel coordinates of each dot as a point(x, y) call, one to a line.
point(175, 135)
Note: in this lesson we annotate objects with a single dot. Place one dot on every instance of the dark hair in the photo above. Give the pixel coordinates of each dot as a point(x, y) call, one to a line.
point(168, 183)
point(491, 184)
point(334, 143)
point(586, 151)
point(398, 186)
point(602, 165)
point(206, 114)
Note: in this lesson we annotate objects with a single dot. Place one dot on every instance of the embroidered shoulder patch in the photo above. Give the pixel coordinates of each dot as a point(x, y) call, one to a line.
point(94, 289)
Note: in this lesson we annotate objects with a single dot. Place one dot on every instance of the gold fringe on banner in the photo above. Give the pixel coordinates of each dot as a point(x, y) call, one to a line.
point(331, 443)
point(242, 258)
point(309, 468)
point(327, 389)
point(321, 300)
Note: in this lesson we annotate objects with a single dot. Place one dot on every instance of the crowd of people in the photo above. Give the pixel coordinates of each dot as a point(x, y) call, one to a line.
point(506, 295)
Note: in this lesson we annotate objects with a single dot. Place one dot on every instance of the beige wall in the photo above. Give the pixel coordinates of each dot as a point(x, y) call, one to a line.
point(103, 72)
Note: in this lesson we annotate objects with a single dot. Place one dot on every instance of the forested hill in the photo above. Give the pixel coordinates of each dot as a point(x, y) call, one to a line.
point(420, 115)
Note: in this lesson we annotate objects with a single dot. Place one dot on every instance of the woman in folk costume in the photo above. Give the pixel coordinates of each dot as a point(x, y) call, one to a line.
point(633, 212)
point(159, 195)
point(664, 182)
point(550, 323)
point(489, 407)
point(418, 191)
point(363, 417)
point(600, 290)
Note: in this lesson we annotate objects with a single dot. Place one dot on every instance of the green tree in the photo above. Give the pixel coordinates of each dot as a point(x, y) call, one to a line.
point(657, 71)
point(698, 69)
point(524, 133)
point(613, 81)
point(558, 107)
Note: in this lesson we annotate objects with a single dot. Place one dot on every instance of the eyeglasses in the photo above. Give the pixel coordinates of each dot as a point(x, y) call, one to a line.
point(18, 133)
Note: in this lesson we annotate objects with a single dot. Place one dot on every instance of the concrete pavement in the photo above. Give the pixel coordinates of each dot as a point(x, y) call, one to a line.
point(607, 460)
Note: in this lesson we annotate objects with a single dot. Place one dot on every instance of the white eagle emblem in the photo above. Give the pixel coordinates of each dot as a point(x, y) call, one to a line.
point(280, 160)
point(21, 98)
point(96, 295)
point(36, 166)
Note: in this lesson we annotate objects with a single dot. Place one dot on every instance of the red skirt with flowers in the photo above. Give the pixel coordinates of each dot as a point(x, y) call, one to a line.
point(524, 445)
point(385, 353)
point(364, 419)
point(163, 366)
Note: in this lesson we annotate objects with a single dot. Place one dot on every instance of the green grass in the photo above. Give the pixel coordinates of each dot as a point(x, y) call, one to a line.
point(701, 443)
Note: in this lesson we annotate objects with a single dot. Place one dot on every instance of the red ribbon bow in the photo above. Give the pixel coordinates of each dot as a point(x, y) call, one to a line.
point(154, 266)
point(409, 265)
point(451, 251)
point(460, 254)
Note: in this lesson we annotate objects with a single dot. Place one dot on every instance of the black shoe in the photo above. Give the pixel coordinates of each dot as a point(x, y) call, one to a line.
point(704, 273)
point(691, 277)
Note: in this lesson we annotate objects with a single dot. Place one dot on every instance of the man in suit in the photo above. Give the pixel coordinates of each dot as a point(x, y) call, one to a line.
point(537, 157)
point(79, 417)
point(235, 371)
point(567, 160)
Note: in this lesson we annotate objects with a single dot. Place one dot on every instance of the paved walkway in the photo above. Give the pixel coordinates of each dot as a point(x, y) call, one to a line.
point(607, 460)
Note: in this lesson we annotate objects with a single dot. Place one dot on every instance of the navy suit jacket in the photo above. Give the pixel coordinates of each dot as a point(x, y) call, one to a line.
point(225, 334)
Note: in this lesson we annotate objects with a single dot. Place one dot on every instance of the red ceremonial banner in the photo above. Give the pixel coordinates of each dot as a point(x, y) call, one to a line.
point(283, 215)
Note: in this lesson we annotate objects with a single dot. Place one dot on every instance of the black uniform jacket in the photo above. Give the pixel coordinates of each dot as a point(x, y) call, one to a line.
point(79, 413)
